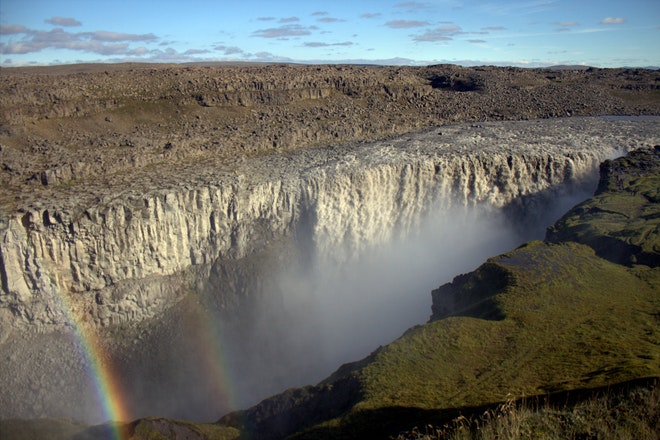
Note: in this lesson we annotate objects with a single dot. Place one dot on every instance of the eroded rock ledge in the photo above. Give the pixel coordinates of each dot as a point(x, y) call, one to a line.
point(123, 184)
point(131, 252)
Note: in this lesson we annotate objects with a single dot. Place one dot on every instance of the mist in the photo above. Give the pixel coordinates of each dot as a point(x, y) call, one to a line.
point(291, 316)
point(337, 305)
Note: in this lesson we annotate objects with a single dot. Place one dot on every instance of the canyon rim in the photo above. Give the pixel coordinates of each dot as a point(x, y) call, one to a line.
point(149, 213)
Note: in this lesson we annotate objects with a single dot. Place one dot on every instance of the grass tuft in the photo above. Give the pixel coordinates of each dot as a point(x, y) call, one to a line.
point(627, 414)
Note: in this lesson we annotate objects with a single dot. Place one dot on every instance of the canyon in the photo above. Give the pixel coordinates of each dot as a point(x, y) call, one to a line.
point(129, 256)
point(225, 240)
point(282, 260)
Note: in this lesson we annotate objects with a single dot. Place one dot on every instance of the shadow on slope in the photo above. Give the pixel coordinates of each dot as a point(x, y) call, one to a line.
point(388, 422)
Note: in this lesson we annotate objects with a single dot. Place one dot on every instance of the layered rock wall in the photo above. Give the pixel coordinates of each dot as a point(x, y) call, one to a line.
point(131, 256)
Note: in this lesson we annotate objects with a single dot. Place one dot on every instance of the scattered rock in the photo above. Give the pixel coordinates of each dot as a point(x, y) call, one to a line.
point(227, 111)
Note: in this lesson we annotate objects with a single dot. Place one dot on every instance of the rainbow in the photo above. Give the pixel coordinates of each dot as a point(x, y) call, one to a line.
point(108, 388)
point(214, 364)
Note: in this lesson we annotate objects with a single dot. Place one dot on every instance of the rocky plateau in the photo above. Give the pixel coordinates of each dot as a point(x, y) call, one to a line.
point(131, 192)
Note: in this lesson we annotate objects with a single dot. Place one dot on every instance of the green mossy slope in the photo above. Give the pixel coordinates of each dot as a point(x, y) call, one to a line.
point(572, 320)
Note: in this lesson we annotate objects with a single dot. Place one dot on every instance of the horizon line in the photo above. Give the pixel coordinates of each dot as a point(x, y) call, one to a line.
point(391, 62)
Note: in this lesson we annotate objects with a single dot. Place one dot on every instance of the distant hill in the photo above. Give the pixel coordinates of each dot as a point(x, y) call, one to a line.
point(569, 67)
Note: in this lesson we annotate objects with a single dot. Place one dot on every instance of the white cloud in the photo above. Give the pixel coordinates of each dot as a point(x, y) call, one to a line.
point(613, 20)
point(413, 6)
point(63, 21)
point(290, 30)
point(289, 20)
point(10, 29)
point(320, 44)
point(118, 36)
point(138, 51)
point(443, 33)
point(527, 7)
point(329, 20)
point(228, 50)
point(406, 24)
point(100, 42)
point(195, 51)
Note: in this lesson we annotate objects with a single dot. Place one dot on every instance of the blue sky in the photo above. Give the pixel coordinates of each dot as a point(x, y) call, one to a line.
point(601, 33)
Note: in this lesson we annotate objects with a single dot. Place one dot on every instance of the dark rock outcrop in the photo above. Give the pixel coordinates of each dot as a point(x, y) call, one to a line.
point(296, 409)
point(622, 221)
point(468, 294)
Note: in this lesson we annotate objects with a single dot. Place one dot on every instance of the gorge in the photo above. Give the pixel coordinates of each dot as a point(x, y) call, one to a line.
point(186, 240)
point(222, 289)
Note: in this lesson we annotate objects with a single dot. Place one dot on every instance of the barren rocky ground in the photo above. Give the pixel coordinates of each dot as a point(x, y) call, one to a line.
point(134, 124)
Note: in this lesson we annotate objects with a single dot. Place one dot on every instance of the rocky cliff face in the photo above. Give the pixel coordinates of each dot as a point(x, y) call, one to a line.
point(134, 253)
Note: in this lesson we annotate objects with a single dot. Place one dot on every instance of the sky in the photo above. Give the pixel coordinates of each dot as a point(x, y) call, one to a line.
point(600, 33)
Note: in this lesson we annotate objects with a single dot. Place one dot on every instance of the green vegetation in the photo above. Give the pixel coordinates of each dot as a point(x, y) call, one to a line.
point(623, 414)
point(632, 97)
point(572, 319)
point(164, 429)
